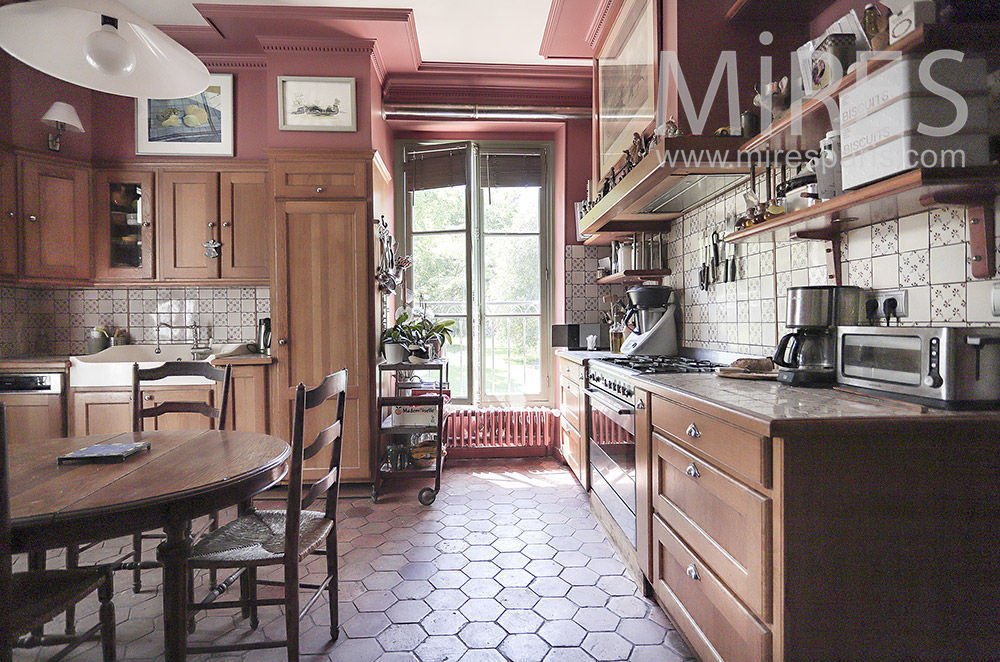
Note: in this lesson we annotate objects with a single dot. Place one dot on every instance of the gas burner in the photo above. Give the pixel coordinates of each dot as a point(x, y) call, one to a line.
point(652, 365)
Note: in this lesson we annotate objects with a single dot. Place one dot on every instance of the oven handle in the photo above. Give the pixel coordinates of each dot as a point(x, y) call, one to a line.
point(610, 406)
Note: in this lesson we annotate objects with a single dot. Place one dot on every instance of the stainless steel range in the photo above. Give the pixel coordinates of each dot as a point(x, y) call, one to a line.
point(611, 410)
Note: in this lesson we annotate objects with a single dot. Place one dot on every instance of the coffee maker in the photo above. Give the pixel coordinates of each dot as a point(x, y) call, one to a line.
point(654, 309)
point(808, 355)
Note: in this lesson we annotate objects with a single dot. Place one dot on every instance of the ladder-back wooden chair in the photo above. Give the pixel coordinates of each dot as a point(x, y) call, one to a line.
point(260, 538)
point(28, 600)
point(139, 413)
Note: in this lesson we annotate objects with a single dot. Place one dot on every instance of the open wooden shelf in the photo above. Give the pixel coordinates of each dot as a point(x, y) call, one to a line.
point(633, 276)
point(813, 117)
point(621, 210)
point(909, 193)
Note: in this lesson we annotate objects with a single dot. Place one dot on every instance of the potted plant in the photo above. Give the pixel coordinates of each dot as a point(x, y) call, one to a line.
point(430, 335)
point(396, 339)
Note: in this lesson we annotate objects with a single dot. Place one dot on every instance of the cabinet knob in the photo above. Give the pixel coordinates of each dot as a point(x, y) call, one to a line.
point(32, 218)
point(226, 224)
point(320, 189)
point(692, 471)
point(211, 224)
point(147, 397)
point(640, 405)
point(579, 378)
point(693, 431)
point(146, 224)
point(11, 214)
point(282, 341)
point(692, 572)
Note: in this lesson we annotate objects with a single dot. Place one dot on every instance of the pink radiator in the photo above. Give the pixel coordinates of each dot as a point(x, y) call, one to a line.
point(480, 428)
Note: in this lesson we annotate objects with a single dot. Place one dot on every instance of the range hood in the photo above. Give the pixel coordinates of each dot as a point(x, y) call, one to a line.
point(678, 174)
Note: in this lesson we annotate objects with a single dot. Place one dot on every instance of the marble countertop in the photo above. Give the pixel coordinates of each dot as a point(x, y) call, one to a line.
point(581, 355)
point(769, 401)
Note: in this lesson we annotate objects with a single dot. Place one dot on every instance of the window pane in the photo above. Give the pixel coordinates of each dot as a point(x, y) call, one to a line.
point(511, 209)
point(439, 264)
point(512, 279)
point(512, 356)
point(439, 209)
point(457, 352)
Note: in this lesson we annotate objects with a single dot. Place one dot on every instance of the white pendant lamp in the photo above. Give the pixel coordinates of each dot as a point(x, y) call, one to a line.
point(101, 45)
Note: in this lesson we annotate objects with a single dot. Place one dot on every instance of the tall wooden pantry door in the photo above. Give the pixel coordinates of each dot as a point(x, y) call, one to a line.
point(321, 316)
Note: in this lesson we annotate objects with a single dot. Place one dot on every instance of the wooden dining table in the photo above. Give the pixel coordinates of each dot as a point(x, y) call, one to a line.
point(185, 474)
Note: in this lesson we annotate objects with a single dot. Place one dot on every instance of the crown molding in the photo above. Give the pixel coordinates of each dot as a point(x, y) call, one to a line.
point(378, 64)
point(325, 13)
point(233, 61)
point(607, 10)
point(315, 45)
point(535, 71)
point(409, 92)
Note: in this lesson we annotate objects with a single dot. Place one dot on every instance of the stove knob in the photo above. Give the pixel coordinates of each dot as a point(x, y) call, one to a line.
point(629, 392)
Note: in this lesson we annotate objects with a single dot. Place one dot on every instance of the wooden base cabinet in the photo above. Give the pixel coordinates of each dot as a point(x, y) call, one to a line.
point(32, 417)
point(825, 539)
point(573, 442)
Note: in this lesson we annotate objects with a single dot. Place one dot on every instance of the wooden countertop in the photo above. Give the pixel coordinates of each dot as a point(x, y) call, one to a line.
point(771, 407)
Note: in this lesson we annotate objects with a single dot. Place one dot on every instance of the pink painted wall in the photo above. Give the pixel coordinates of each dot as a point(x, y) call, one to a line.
point(114, 135)
point(356, 65)
point(579, 157)
point(32, 92)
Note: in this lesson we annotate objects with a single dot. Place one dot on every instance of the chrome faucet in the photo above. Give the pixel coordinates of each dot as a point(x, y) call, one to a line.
point(199, 351)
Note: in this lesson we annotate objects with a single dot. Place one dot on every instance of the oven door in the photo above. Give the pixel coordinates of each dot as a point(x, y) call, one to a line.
point(612, 458)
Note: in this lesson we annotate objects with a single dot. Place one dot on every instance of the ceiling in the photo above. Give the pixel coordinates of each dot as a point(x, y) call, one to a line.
point(467, 31)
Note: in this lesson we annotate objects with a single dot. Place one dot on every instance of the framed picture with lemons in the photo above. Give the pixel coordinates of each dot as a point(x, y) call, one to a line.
point(200, 125)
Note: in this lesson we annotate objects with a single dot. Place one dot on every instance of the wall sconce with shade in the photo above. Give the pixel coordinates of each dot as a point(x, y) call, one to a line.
point(63, 117)
point(100, 45)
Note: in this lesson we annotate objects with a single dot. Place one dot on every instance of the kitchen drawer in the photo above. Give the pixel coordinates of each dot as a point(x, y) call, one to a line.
point(718, 627)
point(571, 401)
point(739, 451)
point(726, 523)
point(571, 446)
point(325, 180)
point(571, 371)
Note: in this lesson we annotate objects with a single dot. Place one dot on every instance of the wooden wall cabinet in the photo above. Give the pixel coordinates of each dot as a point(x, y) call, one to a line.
point(33, 417)
point(123, 225)
point(574, 443)
point(55, 210)
point(227, 208)
point(9, 232)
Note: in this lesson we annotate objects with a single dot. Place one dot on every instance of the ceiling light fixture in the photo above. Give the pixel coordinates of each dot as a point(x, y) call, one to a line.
point(101, 45)
point(63, 117)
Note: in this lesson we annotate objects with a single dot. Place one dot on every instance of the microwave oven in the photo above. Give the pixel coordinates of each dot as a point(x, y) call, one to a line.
point(949, 367)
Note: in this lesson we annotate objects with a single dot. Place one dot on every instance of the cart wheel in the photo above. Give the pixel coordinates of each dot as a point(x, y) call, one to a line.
point(426, 496)
point(374, 494)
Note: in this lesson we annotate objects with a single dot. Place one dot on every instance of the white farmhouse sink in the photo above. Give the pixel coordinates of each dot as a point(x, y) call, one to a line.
point(113, 366)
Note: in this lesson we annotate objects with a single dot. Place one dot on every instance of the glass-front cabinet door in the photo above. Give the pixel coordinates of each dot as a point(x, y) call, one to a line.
point(124, 218)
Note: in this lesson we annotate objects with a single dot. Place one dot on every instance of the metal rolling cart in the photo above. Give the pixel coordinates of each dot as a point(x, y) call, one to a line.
point(395, 447)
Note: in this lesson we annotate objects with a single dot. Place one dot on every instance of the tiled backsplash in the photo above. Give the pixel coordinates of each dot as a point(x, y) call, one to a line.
point(926, 254)
point(54, 321)
point(583, 294)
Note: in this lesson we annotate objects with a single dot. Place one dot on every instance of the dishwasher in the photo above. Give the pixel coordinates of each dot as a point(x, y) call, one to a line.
point(35, 405)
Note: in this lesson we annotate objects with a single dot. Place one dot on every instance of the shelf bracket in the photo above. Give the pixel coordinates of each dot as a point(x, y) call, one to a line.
point(980, 212)
point(834, 268)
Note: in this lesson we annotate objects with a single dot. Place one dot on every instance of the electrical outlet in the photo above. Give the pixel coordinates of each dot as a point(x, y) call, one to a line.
point(899, 295)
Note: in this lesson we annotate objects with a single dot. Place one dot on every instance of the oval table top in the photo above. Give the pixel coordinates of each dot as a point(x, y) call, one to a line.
point(185, 474)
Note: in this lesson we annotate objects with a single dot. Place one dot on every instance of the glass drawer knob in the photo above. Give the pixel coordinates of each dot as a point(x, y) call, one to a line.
point(692, 572)
point(693, 431)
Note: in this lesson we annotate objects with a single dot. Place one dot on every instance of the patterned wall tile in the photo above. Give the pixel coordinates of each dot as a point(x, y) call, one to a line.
point(914, 268)
point(948, 302)
point(947, 226)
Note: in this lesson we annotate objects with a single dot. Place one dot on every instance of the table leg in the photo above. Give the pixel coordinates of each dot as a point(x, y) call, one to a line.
point(173, 554)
